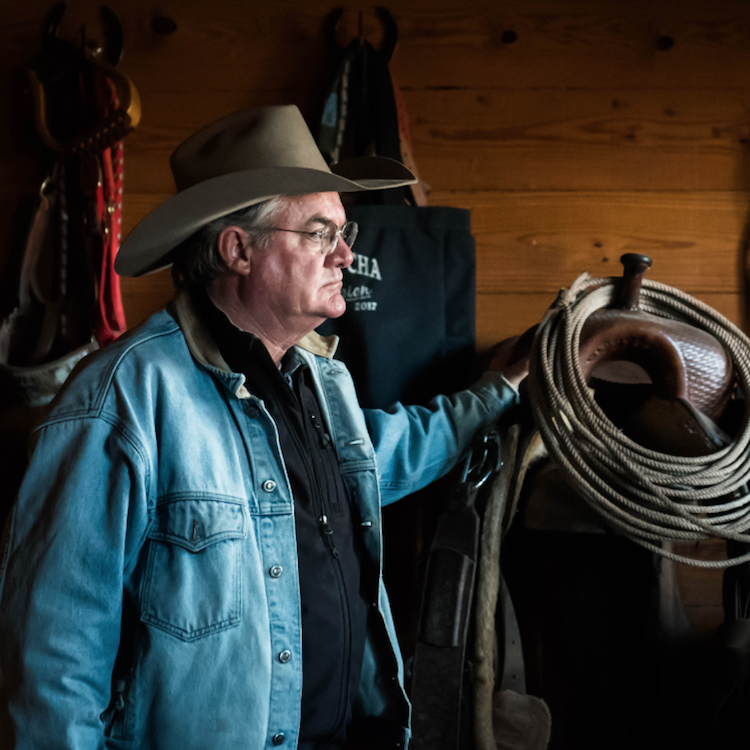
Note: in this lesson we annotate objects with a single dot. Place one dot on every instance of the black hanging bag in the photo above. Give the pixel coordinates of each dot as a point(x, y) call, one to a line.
point(408, 332)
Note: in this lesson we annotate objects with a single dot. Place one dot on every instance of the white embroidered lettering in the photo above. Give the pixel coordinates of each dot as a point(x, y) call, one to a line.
point(350, 293)
point(363, 265)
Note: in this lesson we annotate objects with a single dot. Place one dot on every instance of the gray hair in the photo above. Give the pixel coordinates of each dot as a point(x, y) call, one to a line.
point(197, 259)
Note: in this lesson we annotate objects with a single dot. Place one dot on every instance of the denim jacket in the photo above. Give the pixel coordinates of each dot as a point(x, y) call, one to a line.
point(149, 593)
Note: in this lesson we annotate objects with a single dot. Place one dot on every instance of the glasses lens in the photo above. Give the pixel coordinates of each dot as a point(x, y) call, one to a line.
point(349, 233)
point(331, 239)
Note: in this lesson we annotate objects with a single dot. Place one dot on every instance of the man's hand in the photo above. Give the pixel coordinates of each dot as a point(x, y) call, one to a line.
point(511, 358)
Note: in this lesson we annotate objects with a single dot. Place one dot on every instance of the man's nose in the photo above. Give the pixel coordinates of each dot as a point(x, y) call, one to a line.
point(342, 254)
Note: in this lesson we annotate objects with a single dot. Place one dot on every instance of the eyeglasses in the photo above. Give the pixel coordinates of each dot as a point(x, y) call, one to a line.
point(328, 237)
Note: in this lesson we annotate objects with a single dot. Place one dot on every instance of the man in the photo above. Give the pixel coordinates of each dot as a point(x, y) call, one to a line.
point(199, 526)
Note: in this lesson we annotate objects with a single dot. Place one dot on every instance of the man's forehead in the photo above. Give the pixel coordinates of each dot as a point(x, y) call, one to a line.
point(314, 207)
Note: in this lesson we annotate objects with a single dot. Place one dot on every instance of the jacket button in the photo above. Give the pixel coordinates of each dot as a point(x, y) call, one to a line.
point(269, 485)
point(276, 571)
point(278, 739)
point(285, 656)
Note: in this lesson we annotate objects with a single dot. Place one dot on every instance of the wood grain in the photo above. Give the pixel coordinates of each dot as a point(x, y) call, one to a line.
point(600, 139)
point(498, 315)
point(533, 241)
point(483, 140)
point(146, 295)
point(277, 43)
point(529, 245)
point(502, 315)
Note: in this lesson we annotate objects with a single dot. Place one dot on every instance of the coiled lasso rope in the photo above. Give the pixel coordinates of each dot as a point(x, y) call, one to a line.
point(647, 495)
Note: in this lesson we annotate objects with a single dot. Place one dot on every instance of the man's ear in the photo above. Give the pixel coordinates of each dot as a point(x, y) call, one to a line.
point(235, 249)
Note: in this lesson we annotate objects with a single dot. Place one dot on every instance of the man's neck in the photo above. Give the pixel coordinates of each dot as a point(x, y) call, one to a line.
point(276, 336)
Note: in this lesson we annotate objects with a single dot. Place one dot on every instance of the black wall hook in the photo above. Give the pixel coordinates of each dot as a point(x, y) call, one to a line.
point(329, 29)
point(389, 27)
point(391, 32)
point(113, 35)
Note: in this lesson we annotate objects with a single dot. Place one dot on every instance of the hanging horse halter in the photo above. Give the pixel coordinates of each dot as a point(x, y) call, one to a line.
point(68, 293)
point(84, 107)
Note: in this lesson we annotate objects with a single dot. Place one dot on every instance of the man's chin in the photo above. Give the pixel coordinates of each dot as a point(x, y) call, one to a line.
point(336, 308)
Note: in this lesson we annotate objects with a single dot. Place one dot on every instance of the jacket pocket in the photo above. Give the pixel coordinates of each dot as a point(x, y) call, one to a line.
point(193, 581)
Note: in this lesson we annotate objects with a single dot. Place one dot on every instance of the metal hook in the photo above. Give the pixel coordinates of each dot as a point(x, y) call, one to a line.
point(479, 468)
point(46, 187)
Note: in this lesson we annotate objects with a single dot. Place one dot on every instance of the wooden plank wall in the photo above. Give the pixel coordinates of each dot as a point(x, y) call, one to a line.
point(575, 130)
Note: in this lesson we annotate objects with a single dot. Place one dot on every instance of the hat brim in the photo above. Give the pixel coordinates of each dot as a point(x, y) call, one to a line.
point(148, 248)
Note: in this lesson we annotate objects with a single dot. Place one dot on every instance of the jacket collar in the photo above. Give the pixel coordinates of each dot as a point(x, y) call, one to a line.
point(322, 346)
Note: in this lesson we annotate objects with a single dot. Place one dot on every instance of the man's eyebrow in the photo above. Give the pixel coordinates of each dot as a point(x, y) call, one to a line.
point(320, 220)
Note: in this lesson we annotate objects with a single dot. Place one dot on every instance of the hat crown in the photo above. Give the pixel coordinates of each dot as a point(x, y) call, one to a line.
point(259, 138)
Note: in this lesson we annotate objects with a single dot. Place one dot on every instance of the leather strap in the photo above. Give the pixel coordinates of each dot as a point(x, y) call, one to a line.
point(32, 290)
point(28, 284)
point(513, 675)
point(439, 658)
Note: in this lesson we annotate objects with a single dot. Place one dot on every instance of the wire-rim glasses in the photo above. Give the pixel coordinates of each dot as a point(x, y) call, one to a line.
point(328, 237)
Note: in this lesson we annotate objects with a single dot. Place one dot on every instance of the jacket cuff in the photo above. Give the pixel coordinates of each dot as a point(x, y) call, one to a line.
point(497, 393)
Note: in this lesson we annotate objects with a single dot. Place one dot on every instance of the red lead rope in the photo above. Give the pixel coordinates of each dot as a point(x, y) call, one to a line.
point(109, 319)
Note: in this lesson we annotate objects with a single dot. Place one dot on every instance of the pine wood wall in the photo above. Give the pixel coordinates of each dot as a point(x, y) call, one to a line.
point(575, 130)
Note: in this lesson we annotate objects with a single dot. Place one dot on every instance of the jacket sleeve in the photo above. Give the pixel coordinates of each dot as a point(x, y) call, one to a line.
point(76, 527)
point(414, 445)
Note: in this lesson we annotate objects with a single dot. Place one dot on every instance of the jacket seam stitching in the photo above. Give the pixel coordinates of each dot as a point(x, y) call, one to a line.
point(123, 432)
point(185, 495)
point(109, 375)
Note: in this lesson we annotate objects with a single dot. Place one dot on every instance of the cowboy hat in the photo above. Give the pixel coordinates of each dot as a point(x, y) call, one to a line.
point(243, 159)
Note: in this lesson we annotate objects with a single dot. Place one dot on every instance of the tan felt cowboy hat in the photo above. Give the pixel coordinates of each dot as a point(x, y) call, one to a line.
point(236, 162)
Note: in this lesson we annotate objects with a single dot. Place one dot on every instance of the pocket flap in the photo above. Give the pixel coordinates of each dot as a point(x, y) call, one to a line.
point(196, 523)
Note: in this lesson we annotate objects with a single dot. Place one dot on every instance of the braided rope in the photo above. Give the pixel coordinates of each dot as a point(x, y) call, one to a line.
point(646, 495)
